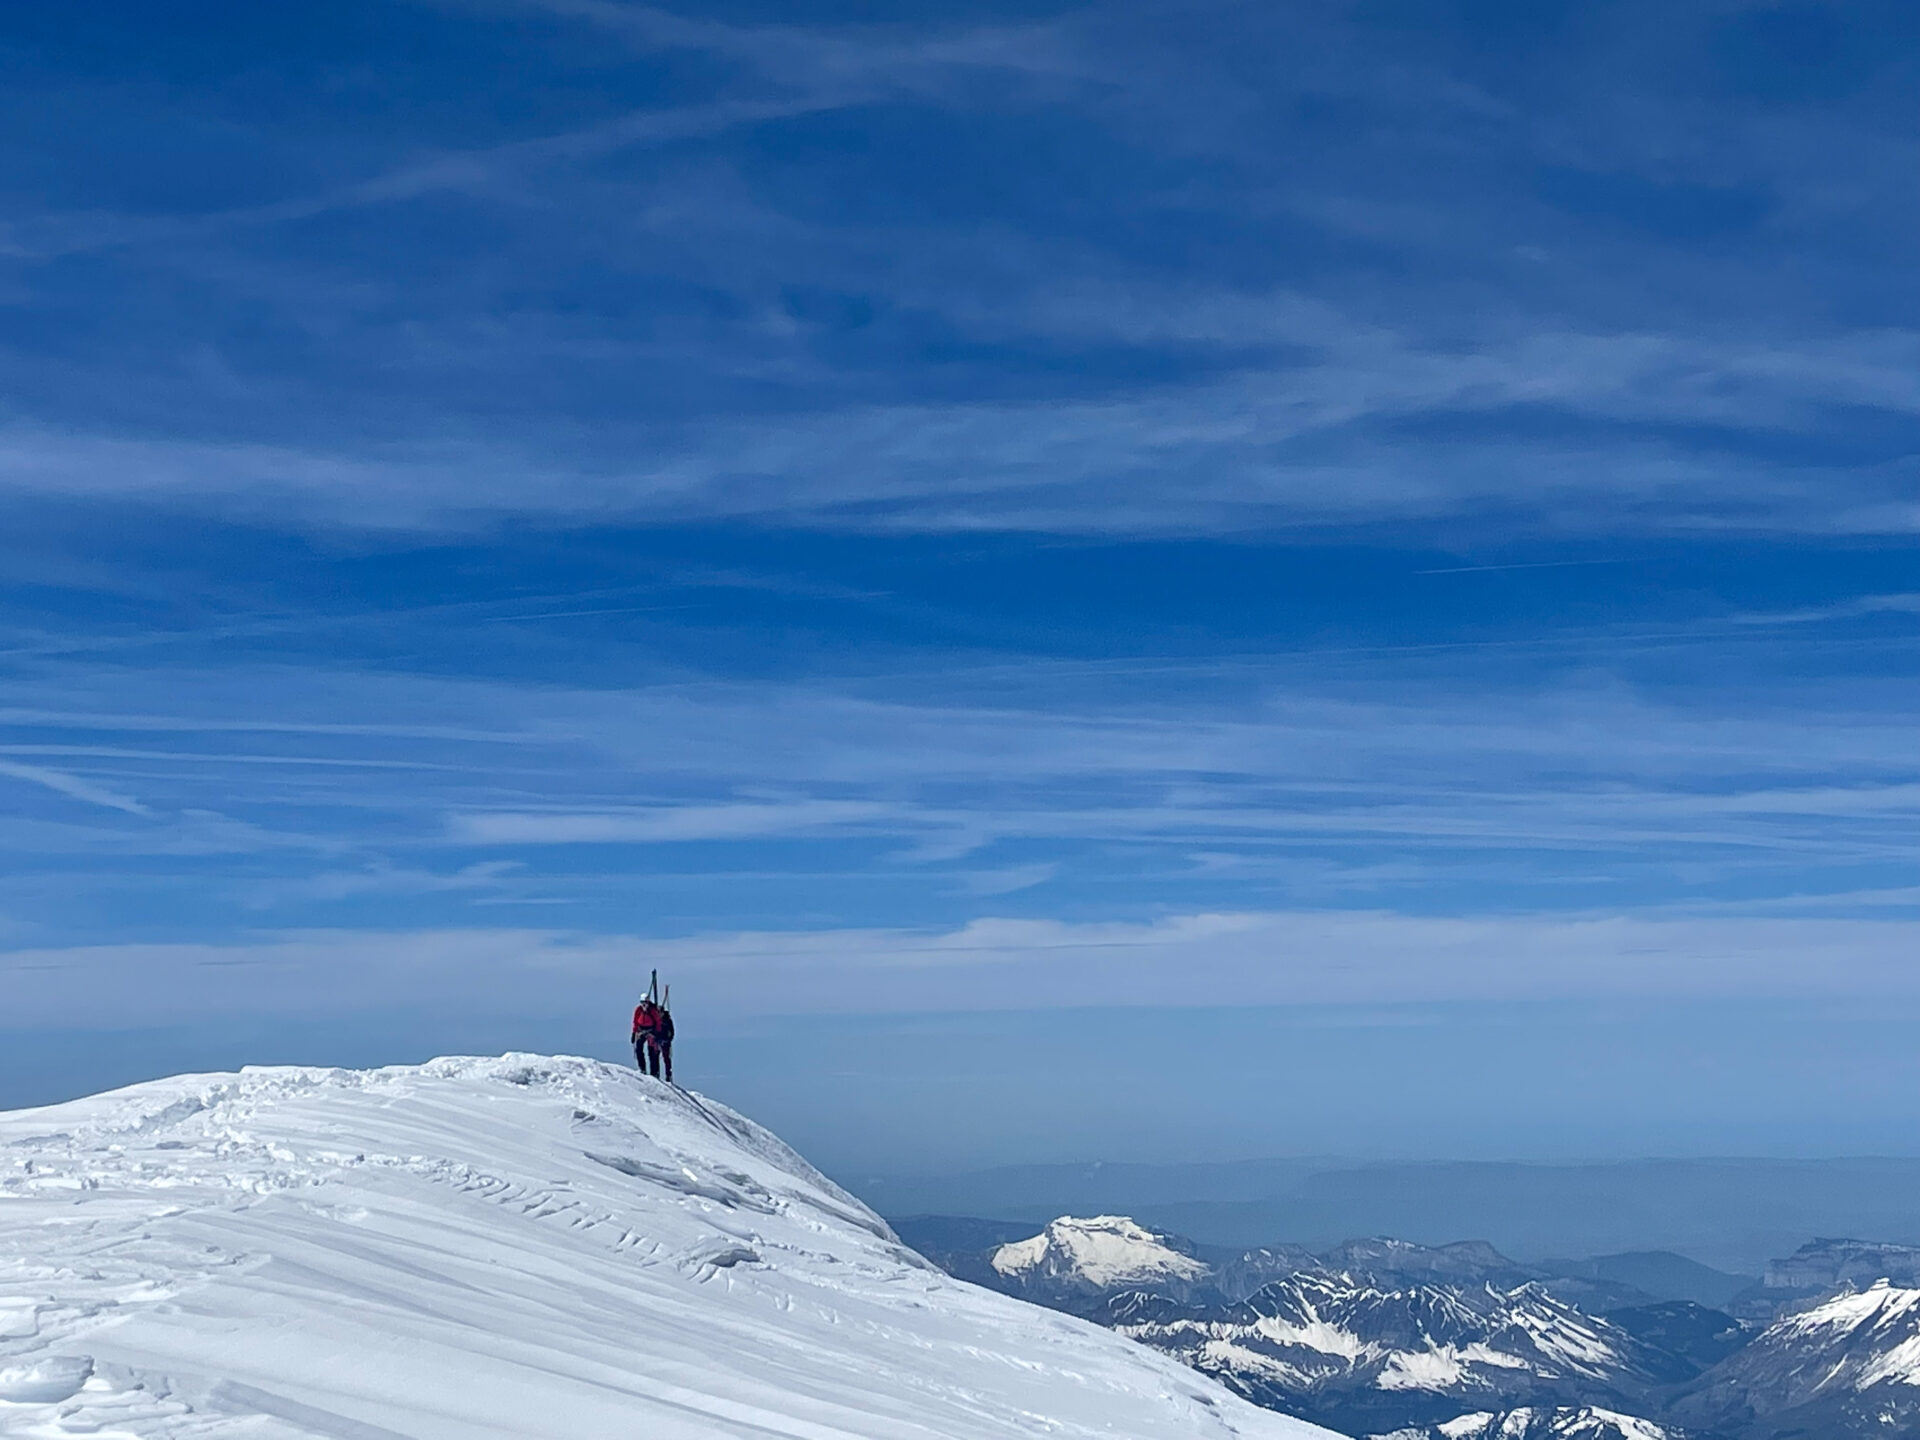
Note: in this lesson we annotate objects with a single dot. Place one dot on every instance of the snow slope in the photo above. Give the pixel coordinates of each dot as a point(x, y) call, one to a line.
point(512, 1247)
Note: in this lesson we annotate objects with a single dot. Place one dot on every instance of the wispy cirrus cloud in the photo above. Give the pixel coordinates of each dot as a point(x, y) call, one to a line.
point(925, 276)
point(1260, 448)
point(665, 824)
point(1420, 778)
point(1008, 880)
point(379, 879)
point(72, 787)
point(1853, 609)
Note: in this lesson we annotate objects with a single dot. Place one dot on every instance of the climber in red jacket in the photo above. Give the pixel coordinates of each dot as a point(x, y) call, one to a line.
point(653, 1039)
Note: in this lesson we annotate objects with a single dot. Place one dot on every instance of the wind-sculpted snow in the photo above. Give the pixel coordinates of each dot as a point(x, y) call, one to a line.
point(513, 1247)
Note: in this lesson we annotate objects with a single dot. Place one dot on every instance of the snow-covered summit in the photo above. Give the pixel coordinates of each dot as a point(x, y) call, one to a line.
point(1105, 1252)
point(512, 1247)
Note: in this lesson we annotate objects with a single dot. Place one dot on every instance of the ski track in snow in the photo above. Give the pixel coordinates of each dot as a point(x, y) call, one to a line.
point(513, 1247)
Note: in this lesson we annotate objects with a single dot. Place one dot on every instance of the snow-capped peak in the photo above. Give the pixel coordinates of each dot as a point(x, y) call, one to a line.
point(1870, 1336)
point(1104, 1252)
point(507, 1249)
point(1849, 1365)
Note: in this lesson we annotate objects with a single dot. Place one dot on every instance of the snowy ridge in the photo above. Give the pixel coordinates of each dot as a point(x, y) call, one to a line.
point(512, 1247)
point(1871, 1337)
point(1313, 1331)
point(1103, 1253)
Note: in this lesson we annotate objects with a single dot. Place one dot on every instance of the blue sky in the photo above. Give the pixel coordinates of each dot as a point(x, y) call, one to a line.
point(1149, 581)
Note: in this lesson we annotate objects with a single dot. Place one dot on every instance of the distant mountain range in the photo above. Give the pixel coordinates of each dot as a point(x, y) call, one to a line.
point(1734, 1214)
point(1366, 1359)
point(1586, 1423)
point(1384, 1338)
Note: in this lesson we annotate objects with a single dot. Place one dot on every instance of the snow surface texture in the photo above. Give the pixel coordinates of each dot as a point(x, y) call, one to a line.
point(1102, 1253)
point(513, 1247)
